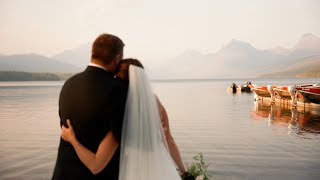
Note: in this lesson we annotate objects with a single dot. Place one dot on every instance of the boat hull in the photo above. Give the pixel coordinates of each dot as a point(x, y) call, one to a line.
point(282, 93)
point(244, 88)
point(261, 92)
point(313, 97)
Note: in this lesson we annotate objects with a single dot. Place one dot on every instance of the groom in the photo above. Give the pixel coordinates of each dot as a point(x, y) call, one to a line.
point(94, 101)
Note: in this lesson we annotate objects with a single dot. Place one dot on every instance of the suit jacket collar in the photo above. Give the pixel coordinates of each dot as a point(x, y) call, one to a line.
point(98, 69)
point(98, 66)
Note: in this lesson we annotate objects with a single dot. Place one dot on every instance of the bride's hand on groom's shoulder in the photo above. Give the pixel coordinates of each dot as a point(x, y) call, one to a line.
point(68, 134)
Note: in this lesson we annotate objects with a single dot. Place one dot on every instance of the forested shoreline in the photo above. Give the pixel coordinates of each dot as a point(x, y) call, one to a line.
point(29, 76)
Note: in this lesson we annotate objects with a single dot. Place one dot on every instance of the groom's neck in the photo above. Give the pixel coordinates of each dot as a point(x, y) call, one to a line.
point(100, 63)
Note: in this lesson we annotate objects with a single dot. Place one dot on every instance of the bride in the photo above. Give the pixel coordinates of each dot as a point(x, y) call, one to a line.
point(148, 150)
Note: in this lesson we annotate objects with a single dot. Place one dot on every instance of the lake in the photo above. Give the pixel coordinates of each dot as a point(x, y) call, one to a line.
point(239, 138)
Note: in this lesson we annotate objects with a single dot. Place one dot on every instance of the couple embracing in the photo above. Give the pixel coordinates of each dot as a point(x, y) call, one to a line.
point(113, 125)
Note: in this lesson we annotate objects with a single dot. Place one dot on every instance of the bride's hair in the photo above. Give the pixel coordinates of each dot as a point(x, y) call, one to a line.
point(131, 61)
point(123, 68)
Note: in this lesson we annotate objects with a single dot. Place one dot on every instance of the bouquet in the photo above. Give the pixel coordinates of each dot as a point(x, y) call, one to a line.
point(197, 170)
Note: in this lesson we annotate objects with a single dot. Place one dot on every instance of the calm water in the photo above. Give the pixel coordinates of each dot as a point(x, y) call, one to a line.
point(240, 138)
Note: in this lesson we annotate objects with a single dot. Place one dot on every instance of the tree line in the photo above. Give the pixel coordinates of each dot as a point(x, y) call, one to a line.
point(29, 76)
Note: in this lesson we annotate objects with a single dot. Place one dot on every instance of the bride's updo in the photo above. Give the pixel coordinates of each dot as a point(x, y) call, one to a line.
point(123, 68)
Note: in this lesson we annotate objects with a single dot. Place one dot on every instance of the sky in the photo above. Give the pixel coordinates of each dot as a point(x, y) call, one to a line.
point(154, 29)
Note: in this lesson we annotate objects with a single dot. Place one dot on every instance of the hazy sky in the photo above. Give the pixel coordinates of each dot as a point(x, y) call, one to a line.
point(154, 29)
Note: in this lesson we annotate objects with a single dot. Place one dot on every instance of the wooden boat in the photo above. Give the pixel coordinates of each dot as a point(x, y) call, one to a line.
point(261, 91)
point(282, 92)
point(299, 96)
point(312, 94)
point(306, 96)
point(264, 91)
point(291, 92)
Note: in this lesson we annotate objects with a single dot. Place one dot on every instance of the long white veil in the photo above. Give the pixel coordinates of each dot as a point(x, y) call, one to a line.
point(143, 152)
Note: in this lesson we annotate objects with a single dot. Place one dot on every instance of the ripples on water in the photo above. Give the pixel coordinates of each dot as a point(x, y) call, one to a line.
point(29, 130)
point(240, 138)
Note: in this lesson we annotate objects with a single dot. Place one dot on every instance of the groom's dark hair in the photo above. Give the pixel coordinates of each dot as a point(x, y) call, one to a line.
point(106, 47)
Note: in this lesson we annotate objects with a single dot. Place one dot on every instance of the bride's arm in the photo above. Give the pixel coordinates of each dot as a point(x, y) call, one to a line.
point(173, 148)
point(95, 162)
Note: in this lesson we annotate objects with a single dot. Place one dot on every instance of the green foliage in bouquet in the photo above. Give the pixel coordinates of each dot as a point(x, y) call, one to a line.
point(196, 169)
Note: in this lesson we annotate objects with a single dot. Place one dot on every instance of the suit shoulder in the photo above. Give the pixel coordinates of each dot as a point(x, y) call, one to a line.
point(72, 80)
point(74, 77)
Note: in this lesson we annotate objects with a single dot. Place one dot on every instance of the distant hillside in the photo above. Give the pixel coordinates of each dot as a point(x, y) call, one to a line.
point(34, 63)
point(27, 76)
point(304, 68)
point(78, 57)
point(308, 41)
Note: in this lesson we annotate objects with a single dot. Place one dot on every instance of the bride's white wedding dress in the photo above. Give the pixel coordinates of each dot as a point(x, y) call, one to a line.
point(144, 154)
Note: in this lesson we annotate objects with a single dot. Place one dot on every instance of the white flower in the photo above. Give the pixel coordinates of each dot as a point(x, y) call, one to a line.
point(199, 177)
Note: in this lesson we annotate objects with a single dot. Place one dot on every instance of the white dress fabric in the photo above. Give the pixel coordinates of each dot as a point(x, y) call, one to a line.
point(143, 147)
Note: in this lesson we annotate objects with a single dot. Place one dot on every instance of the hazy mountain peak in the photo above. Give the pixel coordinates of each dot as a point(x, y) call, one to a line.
point(80, 48)
point(308, 41)
point(236, 48)
point(28, 55)
point(280, 50)
point(309, 35)
point(237, 41)
point(236, 44)
point(34, 63)
point(79, 56)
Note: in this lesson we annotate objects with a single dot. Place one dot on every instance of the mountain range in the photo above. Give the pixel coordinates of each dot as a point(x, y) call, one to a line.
point(240, 59)
point(34, 63)
point(306, 67)
point(237, 59)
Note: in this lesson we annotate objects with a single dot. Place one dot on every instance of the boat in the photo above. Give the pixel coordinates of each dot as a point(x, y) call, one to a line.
point(312, 94)
point(282, 92)
point(240, 88)
point(261, 91)
point(290, 92)
point(306, 96)
point(299, 96)
point(245, 87)
point(264, 91)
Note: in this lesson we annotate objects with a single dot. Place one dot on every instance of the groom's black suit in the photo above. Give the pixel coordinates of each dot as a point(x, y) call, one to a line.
point(94, 102)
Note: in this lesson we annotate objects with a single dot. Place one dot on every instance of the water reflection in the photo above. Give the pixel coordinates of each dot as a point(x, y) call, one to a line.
point(298, 120)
